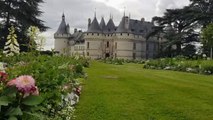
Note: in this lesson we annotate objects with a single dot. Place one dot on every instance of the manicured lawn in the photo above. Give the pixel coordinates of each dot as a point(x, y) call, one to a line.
point(129, 92)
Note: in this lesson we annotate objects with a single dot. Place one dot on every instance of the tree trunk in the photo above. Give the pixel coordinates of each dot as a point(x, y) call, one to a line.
point(178, 49)
point(211, 53)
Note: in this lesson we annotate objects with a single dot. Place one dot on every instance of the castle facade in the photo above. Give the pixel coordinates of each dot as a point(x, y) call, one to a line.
point(106, 40)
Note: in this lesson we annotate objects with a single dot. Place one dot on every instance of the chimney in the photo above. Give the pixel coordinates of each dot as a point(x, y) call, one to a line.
point(75, 30)
point(89, 22)
point(142, 20)
point(68, 28)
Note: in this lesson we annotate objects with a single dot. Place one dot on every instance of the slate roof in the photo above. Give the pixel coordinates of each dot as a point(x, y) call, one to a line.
point(78, 37)
point(102, 24)
point(121, 27)
point(62, 29)
point(110, 27)
point(134, 26)
point(94, 27)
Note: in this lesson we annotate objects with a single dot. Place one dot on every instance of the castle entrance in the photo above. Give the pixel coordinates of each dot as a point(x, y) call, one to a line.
point(107, 55)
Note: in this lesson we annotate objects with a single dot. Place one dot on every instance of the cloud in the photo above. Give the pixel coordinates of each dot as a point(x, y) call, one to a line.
point(162, 5)
point(77, 12)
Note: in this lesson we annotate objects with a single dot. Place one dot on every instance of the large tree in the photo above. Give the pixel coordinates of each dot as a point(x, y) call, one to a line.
point(176, 27)
point(201, 11)
point(21, 14)
point(207, 37)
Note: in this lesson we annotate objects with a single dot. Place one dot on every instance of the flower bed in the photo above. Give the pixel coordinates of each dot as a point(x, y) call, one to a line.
point(193, 66)
point(51, 83)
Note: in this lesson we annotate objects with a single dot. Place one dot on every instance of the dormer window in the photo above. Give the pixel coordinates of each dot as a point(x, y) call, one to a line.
point(141, 31)
point(109, 30)
point(132, 30)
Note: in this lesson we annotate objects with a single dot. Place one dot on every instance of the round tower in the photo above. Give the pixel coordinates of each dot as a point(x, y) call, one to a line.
point(62, 37)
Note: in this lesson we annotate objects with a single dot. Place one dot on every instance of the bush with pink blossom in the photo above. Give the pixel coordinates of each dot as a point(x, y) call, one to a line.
point(17, 96)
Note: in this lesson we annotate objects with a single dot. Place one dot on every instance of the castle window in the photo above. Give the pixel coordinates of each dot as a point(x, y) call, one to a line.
point(134, 46)
point(134, 55)
point(92, 33)
point(87, 53)
point(87, 45)
point(115, 45)
point(107, 44)
point(98, 34)
point(121, 34)
point(109, 30)
point(87, 33)
point(128, 34)
point(132, 30)
point(141, 31)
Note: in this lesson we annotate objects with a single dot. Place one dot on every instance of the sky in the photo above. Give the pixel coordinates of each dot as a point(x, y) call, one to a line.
point(77, 12)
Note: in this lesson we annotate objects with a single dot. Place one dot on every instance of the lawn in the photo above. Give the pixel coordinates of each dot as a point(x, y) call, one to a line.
point(129, 92)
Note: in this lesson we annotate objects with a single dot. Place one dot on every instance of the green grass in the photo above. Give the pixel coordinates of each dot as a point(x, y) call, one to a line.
point(129, 92)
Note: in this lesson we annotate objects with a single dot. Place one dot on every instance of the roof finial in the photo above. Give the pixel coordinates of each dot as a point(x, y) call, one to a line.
point(95, 13)
point(124, 10)
point(63, 16)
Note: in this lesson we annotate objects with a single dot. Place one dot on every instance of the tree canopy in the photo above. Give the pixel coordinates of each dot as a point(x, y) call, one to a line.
point(180, 27)
point(21, 14)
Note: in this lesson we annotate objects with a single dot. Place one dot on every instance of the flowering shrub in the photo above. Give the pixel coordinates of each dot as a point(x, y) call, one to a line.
point(56, 76)
point(25, 84)
point(11, 46)
point(18, 96)
point(193, 66)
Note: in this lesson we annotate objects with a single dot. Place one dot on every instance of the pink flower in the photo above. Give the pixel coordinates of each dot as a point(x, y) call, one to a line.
point(25, 84)
point(11, 82)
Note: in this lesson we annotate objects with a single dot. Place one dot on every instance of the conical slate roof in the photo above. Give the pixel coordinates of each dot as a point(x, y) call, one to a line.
point(94, 27)
point(62, 29)
point(121, 27)
point(110, 26)
point(102, 24)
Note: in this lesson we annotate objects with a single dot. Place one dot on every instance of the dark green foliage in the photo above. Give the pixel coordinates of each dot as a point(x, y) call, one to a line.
point(178, 26)
point(21, 14)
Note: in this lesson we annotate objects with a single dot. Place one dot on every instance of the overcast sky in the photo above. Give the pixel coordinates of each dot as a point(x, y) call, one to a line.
point(77, 12)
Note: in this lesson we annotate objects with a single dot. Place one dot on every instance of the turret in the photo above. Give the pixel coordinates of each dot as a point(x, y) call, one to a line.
point(62, 36)
point(110, 27)
point(102, 24)
point(94, 27)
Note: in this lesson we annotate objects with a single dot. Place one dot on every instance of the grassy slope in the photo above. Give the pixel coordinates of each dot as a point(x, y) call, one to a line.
point(128, 92)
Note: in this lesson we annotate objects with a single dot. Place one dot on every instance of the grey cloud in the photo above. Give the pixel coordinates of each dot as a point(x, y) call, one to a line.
point(77, 12)
point(162, 5)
